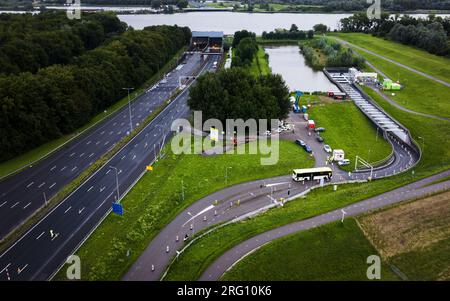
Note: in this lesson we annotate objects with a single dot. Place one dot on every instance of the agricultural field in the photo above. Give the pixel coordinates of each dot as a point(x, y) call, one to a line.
point(414, 236)
point(341, 249)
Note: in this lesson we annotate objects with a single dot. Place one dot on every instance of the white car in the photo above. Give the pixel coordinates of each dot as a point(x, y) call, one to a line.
point(344, 162)
point(279, 130)
point(327, 148)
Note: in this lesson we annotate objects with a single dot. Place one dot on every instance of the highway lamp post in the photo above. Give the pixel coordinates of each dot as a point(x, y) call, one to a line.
point(117, 181)
point(226, 174)
point(129, 107)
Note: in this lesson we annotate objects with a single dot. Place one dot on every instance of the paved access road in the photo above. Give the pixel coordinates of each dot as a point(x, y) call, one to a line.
point(232, 202)
point(23, 193)
point(417, 189)
point(394, 62)
point(44, 248)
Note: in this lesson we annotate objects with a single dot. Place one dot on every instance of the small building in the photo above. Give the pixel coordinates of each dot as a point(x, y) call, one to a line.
point(207, 41)
point(362, 77)
point(388, 84)
point(337, 95)
point(338, 155)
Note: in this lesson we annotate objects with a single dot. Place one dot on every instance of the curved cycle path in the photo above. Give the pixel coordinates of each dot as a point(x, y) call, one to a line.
point(394, 62)
point(414, 190)
point(396, 104)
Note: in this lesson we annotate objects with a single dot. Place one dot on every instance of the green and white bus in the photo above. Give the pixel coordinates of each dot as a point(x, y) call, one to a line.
point(309, 174)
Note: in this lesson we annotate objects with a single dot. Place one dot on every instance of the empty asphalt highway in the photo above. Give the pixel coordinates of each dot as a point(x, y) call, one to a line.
point(23, 193)
point(45, 247)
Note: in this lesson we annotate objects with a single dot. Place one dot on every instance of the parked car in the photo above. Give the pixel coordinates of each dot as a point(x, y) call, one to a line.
point(344, 162)
point(300, 142)
point(319, 130)
point(327, 148)
point(307, 148)
point(319, 138)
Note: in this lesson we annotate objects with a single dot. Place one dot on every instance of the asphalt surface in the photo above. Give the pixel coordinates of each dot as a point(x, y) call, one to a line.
point(45, 247)
point(395, 62)
point(23, 193)
point(233, 202)
point(414, 190)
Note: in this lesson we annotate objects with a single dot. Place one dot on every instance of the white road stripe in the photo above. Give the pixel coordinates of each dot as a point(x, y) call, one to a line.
point(14, 205)
point(91, 155)
point(28, 186)
point(54, 166)
point(89, 142)
point(7, 266)
point(82, 155)
point(21, 270)
point(108, 171)
point(71, 154)
point(42, 184)
point(25, 207)
point(67, 209)
point(40, 235)
point(106, 142)
point(51, 186)
point(3, 203)
point(103, 188)
point(90, 188)
point(73, 168)
point(80, 210)
point(63, 168)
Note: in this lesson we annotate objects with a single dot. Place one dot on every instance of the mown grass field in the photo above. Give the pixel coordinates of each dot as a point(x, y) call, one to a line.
point(260, 64)
point(330, 252)
point(418, 59)
point(39, 152)
point(157, 198)
point(348, 129)
point(414, 236)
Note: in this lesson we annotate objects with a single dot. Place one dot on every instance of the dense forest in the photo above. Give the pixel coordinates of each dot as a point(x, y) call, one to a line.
point(430, 34)
point(47, 91)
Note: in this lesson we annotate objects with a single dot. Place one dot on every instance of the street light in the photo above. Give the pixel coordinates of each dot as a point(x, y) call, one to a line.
point(226, 174)
point(129, 107)
point(117, 181)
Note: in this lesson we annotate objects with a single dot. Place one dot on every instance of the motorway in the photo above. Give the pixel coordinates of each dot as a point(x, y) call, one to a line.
point(44, 248)
point(417, 189)
point(242, 199)
point(25, 192)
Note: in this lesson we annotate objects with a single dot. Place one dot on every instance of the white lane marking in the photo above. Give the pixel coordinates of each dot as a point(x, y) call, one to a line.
point(108, 171)
point(106, 142)
point(63, 168)
point(97, 143)
point(56, 235)
point(103, 188)
point(80, 210)
point(91, 155)
point(201, 212)
point(21, 270)
point(67, 209)
point(14, 205)
point(7, 266)
point(73, 168)
point(82, 155)
point(101, 204)
point(42, 184)
point(145, 145)
point(89, 142)
point(71, 154)
point(54, 166)
point(25, 207)
point(112, 132)
point(136, 145)
point(114, 123)
point(28, 186)
point(90, 188)
point(51, 186)
point(39, 236)
point(102, 132)
point(120, 171)
point(119, 132)
point(134, 157)
point(123, 157)
point(1, 205)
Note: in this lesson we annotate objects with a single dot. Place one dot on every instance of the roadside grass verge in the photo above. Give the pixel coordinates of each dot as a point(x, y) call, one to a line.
point(347, 128)
point(260, 64)
point(413, 236)
point(421, 60)
point(330, 252)
point(40, 152)
point(156, 200)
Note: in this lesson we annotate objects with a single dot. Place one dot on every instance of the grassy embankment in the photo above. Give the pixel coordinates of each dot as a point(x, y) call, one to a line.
point(420, 93)
point(436, 157)
point(156, 200)
point(260, 64)
point(330, 252)
point(38, 153)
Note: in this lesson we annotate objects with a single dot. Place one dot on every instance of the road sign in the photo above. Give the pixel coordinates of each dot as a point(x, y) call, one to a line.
point(117, 208)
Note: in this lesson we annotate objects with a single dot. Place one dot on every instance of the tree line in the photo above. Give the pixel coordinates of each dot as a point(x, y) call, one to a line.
point(284, 34)
point(38, 107)
point(430, 33)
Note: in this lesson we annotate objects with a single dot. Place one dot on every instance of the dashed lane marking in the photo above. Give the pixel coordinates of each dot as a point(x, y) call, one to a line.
point(51, 186)
point(67, 210)
point(29, 185)
point(14, 205)
point(42, 184)
point(25, 207)
point(39, 236)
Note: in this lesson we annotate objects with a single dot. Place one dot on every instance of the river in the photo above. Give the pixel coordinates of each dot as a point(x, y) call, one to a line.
point(290, 63)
